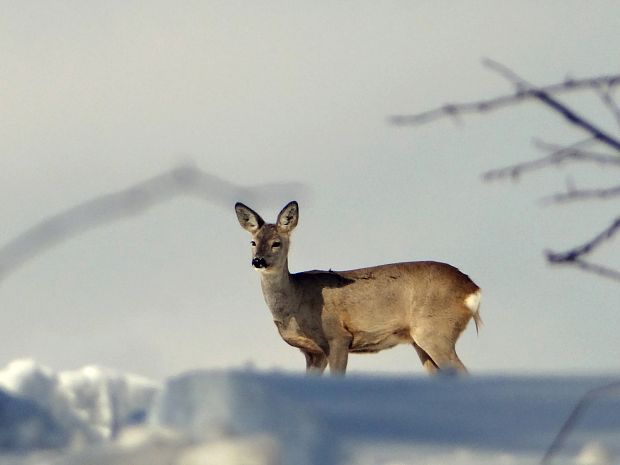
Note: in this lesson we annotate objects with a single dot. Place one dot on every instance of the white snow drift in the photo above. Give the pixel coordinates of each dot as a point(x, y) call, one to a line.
point(88, 405)
point(98, 416)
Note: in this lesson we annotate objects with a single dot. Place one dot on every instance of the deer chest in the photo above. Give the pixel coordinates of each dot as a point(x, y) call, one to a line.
point(301, 334)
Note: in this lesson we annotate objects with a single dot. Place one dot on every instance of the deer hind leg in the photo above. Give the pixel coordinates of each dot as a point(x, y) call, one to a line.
point(315, 363)
point(437, 353)
point(427, 361)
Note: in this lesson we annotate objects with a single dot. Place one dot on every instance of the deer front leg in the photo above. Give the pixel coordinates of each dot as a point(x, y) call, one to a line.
point(315, 363)
point(339, 355)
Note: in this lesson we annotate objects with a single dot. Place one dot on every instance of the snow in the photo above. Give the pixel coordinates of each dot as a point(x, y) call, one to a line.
point(98, 416)
point(86, 406)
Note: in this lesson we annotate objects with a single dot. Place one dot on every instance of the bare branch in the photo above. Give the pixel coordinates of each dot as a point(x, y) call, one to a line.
point(515, 171)
point(557, 156)
point(508, 74)
point(576, 152)
point(573, 194)
point(569, 114)
point(132, 201)
point(600, 270)
point(482, 106)
point(576, 255)
point(604, 92)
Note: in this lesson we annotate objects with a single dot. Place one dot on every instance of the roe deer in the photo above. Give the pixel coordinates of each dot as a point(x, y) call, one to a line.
point(327, 314)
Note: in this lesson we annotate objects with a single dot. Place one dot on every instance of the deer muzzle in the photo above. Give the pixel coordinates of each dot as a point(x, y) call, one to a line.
point(259, 262)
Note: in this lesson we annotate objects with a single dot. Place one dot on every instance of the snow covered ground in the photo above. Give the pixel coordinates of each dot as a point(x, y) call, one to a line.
point(98, 416)
point(70, 409)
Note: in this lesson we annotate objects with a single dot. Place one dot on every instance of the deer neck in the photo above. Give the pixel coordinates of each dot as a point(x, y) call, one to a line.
point(279, 292)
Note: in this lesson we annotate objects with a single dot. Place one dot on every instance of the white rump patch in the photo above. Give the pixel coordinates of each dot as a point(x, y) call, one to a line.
point(472, 301)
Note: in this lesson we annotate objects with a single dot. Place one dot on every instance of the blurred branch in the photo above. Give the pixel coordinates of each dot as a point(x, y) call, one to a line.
point(573, 418)
point(496, 103)
point(576, 256)
point(597, 269)
point(561, 154)
point(181, 181)
point(551, 102)
point(557, 156)
point(580, 151)
point(604, 92)
point(588, 247)
point(573, 194)
point(524, 91)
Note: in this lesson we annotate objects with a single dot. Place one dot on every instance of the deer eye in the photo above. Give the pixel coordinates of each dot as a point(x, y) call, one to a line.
point(276, 244)
point(253, 244)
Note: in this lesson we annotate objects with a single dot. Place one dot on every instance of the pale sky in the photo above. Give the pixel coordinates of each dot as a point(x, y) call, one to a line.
point(98, 96)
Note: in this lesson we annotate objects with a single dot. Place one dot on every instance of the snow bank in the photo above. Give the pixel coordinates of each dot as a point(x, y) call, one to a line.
point(26, 426)
point(256, 418)
point(377, 420)
point(77, 407)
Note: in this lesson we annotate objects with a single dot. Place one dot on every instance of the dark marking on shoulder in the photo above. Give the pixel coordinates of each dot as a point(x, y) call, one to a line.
point(326, 278)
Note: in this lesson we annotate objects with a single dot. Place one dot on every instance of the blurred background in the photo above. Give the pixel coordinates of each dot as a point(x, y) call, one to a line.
point(129, 130)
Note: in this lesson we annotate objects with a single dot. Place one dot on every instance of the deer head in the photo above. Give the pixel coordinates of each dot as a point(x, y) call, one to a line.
point(270, 241)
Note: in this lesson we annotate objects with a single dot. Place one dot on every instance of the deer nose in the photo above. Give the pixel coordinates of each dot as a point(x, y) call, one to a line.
point(259, 262)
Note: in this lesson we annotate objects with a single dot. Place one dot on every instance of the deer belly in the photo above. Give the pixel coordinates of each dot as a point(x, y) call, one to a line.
point(366, 341)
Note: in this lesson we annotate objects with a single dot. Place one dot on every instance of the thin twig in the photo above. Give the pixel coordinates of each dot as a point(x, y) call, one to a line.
point(577, 152)
point(597, 269)
point(568, 113)
point(587, 266)
point(557, 156)
point(604, 92)
point(573, 194)
point(577, 253)
point(482, 106)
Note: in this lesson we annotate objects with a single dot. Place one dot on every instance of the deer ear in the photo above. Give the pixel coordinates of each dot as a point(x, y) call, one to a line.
point(288, 217)
point(248, 218)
